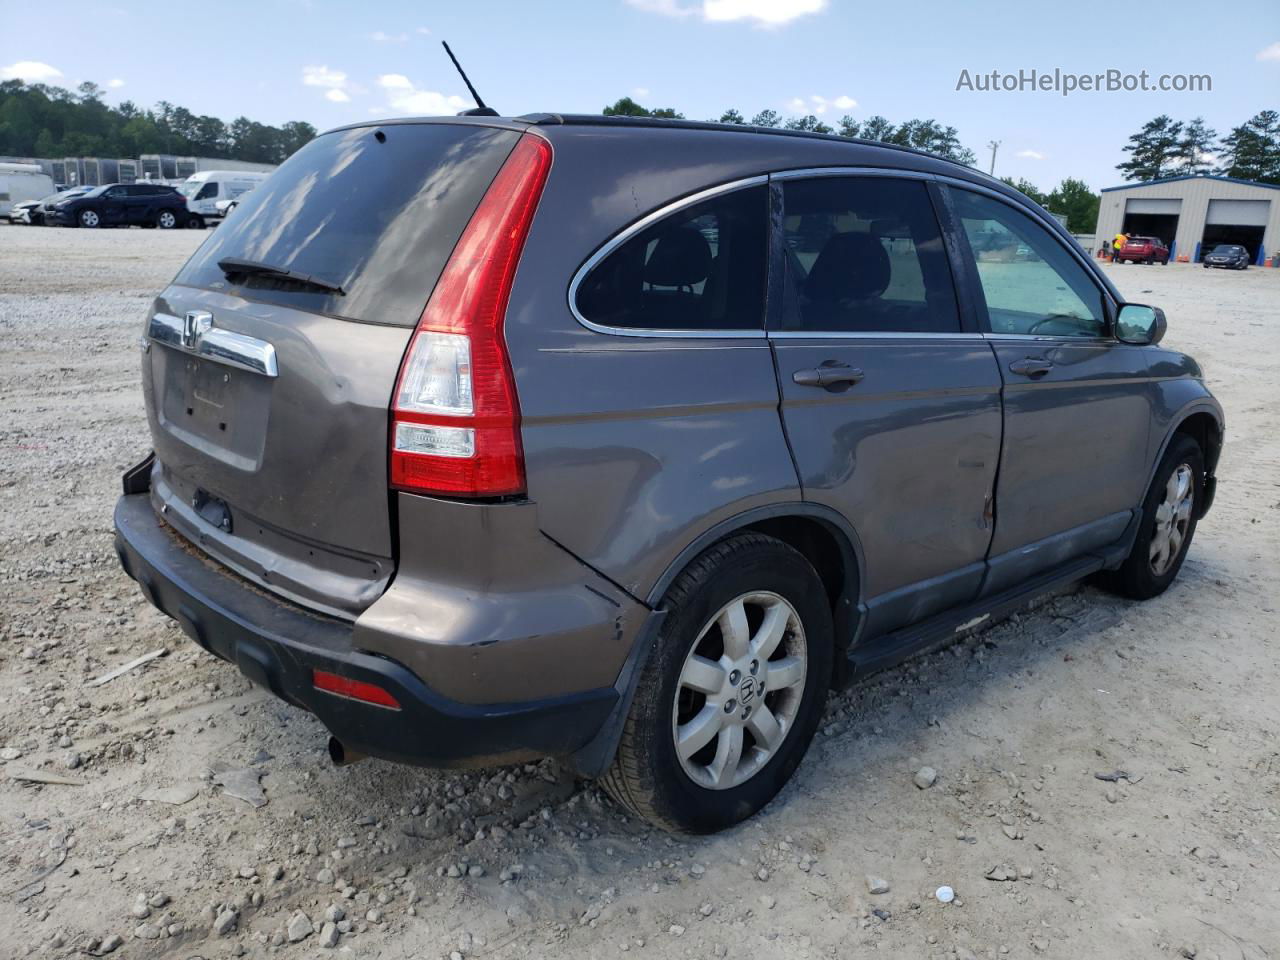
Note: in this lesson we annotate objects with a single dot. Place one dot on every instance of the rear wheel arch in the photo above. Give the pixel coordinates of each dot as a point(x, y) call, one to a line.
point(820, 534)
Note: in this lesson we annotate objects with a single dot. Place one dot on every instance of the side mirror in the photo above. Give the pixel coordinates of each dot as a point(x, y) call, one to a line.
point(1141, 325)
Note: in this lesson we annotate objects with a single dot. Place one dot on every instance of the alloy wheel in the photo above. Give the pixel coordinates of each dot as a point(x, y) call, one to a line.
point(1173, 517)
point(739, 691)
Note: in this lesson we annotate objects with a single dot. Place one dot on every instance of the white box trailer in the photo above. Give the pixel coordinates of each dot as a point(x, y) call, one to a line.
point(20, 182)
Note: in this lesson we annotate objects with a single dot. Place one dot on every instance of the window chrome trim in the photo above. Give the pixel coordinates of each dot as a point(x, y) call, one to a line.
point(618, 239)
point(889, 172)
point(220, 346)
point(871, 335)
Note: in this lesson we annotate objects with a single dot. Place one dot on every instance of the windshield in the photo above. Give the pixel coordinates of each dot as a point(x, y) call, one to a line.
point(191, 188)
point(374, 211)
point(1225, 249)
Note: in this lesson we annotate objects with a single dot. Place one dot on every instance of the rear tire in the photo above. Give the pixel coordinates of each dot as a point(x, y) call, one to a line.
point(166, 220)
point(1169, 516)
point(740, 745)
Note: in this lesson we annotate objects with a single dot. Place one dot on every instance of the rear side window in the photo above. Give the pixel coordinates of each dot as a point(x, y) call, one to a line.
point(374, 210)
point(702, 268)
point(864, 255)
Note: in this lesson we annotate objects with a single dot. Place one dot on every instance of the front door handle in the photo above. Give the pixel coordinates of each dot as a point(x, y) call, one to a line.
point(830, 374)
point(1031, 366)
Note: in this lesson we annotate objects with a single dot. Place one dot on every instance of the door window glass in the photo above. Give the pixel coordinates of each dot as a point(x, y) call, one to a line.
point(1032, 284)
point(864, 254)
point(702, 268)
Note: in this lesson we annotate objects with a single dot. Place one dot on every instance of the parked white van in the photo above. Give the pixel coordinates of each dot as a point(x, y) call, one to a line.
point(20, 182)
point(203, 190)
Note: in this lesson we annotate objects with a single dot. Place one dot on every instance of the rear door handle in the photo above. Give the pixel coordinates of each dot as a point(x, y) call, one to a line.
point(1031, 366)
point(832, 373)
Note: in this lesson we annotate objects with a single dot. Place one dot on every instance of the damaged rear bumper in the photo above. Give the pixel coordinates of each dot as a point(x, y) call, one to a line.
point(278, 645)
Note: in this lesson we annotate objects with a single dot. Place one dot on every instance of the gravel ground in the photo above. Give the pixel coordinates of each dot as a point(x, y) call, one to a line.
point(151, 849)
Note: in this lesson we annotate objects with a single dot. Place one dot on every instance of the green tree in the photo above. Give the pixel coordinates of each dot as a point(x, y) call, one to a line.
point(766, 118)
point(931, 137)
point(809, 123)
point(1251, 151)
point(1195, 146)
point(1022, 185)
point(877, 128)
point(847, 127)
point(1153, 150)
point(626, 107)
point(1075, 199)
point(731, 116)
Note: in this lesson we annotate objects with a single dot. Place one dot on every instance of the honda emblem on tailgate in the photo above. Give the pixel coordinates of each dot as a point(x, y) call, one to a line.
point(194, 326)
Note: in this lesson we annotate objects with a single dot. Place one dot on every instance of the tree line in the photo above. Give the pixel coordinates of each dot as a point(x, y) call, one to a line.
point(1165, 147)
point(927, 135)
point(37, 120)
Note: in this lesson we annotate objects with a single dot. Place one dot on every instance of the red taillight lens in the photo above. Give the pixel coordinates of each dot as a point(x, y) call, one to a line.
point(353, 689)
point(455, 418)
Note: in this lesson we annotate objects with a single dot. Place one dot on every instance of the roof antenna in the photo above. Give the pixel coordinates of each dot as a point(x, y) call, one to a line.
point(479, 110)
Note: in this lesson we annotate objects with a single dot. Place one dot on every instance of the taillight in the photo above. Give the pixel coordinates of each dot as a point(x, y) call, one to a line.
point(455, 418)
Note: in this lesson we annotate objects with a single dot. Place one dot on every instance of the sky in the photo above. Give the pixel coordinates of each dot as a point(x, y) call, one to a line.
point(332, 63)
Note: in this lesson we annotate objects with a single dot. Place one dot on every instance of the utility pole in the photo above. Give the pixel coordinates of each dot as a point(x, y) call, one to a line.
point(994, 145)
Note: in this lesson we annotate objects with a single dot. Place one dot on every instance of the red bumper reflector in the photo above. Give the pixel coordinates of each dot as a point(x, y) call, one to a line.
point(353, 689)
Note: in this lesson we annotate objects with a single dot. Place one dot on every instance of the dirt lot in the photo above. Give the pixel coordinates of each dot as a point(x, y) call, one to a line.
point(149, 852)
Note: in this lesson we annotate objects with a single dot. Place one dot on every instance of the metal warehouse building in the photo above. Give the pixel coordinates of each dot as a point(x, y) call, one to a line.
point(1195, 213)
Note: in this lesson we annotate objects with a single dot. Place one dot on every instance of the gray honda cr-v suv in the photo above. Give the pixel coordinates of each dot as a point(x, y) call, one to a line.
point(622, 441)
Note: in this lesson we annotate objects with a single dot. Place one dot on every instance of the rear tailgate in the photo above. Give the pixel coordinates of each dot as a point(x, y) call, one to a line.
point(267, 396)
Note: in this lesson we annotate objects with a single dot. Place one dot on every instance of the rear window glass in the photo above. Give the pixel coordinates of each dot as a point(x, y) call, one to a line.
point(374, 210)
point(702, 268)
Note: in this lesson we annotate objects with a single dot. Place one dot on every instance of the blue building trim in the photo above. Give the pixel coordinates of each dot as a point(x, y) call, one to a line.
point(1191, 176)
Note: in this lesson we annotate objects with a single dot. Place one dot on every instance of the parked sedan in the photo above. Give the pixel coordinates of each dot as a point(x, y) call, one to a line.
point(1230, 256)
point(1144, 250)
point(35, 212)
point(22, 212)
point(124, 205)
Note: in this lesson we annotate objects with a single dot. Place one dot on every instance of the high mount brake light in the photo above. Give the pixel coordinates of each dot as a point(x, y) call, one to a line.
point(455, 417)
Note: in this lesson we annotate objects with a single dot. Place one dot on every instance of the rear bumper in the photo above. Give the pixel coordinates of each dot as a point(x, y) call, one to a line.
point(277, 645)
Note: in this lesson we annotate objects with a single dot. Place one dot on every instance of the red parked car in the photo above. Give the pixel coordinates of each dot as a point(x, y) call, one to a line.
point(1143, 250)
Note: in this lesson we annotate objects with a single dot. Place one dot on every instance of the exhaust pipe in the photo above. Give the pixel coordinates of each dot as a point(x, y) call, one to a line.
point(340, 755)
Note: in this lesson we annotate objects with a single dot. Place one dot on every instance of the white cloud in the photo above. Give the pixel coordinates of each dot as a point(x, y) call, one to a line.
point(762, 13)
point(1269, 53)
point(405, 98)
point(640, 92)
point(765, 13)
point(336, 86)
point(395, 81)
point(324, 77)
point(30, 71)
point(819, 105)
point(115, 83)
point(424, 31)
point(1031, 154)
point(378, 36)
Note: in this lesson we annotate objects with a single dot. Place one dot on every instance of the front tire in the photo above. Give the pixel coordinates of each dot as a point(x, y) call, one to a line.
point(732, 691)
point(195, 222)
point(166, 219)
point(89, 219)
point(1169, 515)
